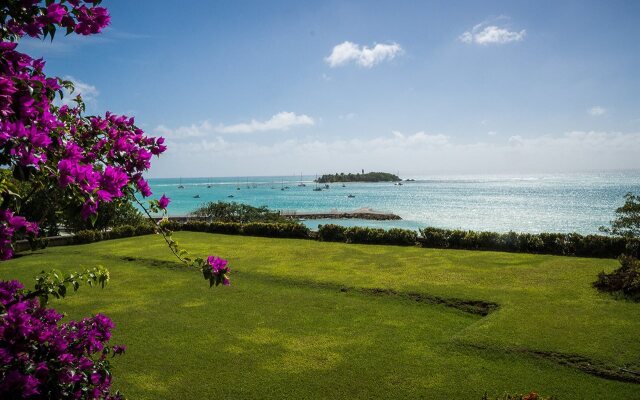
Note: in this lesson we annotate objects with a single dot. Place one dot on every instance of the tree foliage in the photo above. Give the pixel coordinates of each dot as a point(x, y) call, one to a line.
point(364, 177)
point(235, 212)
point(627, 222)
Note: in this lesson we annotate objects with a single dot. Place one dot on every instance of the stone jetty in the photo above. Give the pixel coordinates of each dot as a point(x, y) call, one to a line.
point(361, 213)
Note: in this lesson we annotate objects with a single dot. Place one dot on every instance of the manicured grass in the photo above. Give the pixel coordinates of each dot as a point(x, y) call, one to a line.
point(286, 330)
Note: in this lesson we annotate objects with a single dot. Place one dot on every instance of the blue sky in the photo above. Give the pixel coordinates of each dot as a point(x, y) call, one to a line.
point(258, 88)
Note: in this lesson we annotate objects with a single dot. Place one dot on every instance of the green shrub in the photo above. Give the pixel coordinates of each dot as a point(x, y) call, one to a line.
point(228, 228)
point(276, 230)
point(434, 237)
point(146, 228)
point(401, 237)
point(356, 234)
point(331, 233)
point(87, 236)
point(171, 225)
point(632, 247)
point(236, 212)
point(195, 226)
point(122, 232)
point(624, 280)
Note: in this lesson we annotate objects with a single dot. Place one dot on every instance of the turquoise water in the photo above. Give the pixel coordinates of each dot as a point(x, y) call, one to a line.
point(523, 203)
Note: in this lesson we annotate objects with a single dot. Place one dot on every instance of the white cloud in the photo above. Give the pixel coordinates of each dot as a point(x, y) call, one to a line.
point(282, 121)
point(597, 111)
point(492, 133)
point(348, 116)
point(484, 34)
point(191, 131)
point(347, 52)
point(418, 138)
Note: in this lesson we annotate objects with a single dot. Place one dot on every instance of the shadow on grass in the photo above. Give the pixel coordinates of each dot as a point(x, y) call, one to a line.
point(475, 307)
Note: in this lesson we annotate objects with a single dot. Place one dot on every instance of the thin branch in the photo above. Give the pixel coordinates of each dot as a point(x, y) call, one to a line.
point(162, 232)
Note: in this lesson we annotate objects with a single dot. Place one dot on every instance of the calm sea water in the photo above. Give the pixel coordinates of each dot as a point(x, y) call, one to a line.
point(523, 203)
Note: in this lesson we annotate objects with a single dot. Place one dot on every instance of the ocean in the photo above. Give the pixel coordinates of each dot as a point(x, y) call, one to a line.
point(576, 202)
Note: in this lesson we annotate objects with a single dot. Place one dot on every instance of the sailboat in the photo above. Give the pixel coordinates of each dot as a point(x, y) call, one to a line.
point(301, 184)
point(180, 185)
point(209, 183)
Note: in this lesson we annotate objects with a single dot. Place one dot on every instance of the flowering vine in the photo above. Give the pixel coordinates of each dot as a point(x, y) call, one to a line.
point(93, 160)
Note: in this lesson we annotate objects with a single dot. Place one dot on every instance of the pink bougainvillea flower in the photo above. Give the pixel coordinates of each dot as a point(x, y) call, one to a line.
point(164, 202)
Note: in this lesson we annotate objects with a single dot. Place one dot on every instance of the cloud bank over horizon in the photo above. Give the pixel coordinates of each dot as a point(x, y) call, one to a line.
point(410, 154)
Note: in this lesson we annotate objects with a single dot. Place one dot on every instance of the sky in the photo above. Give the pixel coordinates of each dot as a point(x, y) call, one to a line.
point(416, 87)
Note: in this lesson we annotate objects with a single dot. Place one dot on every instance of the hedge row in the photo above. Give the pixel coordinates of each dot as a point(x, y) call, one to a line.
point(355, 234)
point(567, 244)
point(266, 229)
point(123, 231)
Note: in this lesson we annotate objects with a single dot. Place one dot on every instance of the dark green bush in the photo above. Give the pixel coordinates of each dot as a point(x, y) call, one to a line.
point(624, 280)
point(195, 226)
point(228, 228)
point(266, 229)
point(172, 225)
point(355, 234)
point(276, 230)
point(401, 237)
point(632, 247)
point(87, 236)
point(236, 212)
point(331, 233)
point(434, 237)
point(122, 232)
point(146, 228)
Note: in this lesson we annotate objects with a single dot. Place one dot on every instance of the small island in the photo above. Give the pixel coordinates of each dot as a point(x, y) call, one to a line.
point(359, 177)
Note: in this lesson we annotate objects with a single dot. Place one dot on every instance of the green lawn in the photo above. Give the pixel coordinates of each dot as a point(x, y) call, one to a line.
point(298, 322)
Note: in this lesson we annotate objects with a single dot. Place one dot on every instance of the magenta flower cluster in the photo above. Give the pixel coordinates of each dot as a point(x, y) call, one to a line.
point(99, 158)
point(11, 224)
point(219, 270)
point(81, 17)
point(163, 202)
point(95, 160)
point(40, 357)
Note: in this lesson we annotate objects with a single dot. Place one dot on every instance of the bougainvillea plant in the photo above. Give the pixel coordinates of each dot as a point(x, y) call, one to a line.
point(92, 160)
